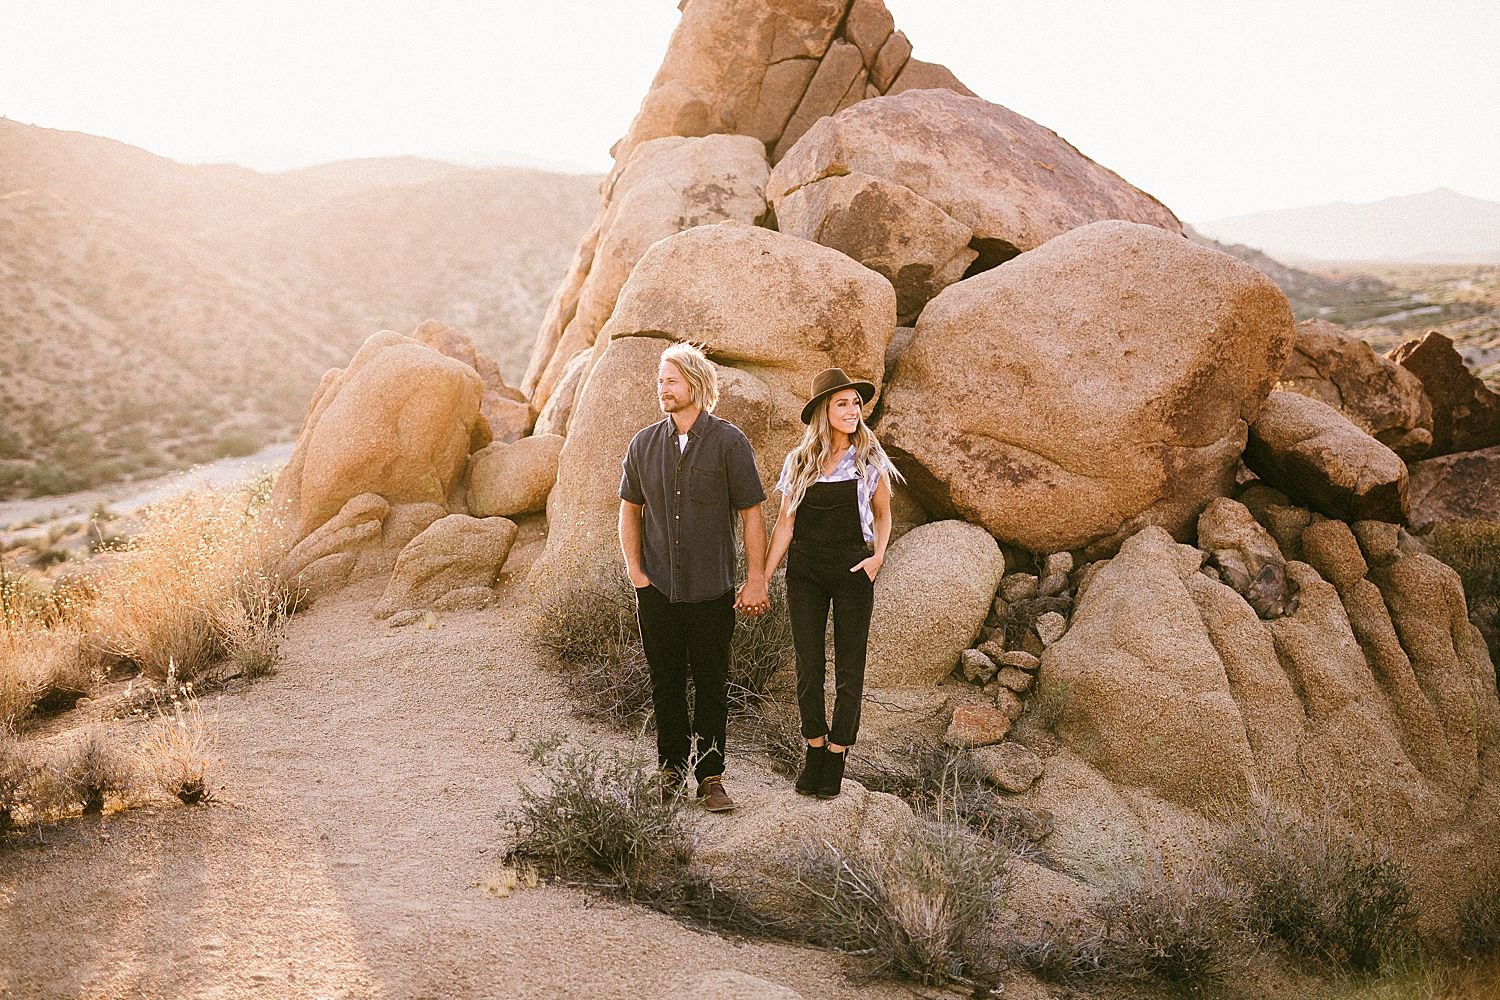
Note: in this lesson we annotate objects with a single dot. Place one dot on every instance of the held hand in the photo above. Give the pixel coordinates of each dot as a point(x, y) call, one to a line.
point(638, 579)
point(869, 566)
point(753, 598)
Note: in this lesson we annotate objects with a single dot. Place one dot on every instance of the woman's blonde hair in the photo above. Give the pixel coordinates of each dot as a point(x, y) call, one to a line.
point(816, 448)
point(697, 370)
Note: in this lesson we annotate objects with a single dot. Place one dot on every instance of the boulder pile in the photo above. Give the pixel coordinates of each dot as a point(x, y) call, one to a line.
point(1159, 552)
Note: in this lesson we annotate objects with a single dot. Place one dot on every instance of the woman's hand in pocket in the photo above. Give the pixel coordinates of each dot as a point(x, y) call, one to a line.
point(870, 566)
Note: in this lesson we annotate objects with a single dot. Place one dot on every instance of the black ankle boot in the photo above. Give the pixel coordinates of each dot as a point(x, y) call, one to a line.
point(832, 778)
point(811, 777)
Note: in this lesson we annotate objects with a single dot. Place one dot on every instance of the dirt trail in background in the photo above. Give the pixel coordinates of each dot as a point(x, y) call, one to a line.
point(362, 787)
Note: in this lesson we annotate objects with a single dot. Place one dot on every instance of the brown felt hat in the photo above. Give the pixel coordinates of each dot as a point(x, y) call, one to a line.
point(829, 381)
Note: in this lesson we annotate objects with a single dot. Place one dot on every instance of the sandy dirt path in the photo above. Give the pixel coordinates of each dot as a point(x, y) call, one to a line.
point(362, 785)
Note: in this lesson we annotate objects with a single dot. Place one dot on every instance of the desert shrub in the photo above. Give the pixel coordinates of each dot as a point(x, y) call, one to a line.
point(1472, 548)
point(89, 771)
point(1329, 898)
point(45, 662)
point(178, 752)
point(235, 442)
point(16, 770)
point(918, 912)
point(199, 577)
point(1066, 952)
point(1187, 927)
point(602, 813)
point(1479, 920)
point(592, 632)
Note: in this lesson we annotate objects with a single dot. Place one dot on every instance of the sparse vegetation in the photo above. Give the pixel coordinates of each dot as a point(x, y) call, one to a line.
point(1479, 920)
point(1472, 548)
point(94, 768)
point(1330, 899)
point(918, 913)
point(602, 813)
point(196, 585)
point(178, 751)
point(16, 770)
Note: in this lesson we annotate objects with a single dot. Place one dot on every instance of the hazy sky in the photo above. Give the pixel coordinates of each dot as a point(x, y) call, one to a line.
point(1216, 108)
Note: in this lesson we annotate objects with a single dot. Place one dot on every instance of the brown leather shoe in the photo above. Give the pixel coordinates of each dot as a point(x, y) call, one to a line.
point(672, 782)
point(715, 799)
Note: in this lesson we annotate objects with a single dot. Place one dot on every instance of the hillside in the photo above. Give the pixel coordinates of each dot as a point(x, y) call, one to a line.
point(1437, 226)
point(153, 314)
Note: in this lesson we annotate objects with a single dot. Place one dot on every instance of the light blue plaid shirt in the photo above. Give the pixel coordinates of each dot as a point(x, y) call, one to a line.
point(843, 471)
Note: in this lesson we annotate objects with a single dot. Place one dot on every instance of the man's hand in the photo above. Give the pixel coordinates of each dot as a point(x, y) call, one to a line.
point(638, 579)
point(753, 598)
point(870, 567)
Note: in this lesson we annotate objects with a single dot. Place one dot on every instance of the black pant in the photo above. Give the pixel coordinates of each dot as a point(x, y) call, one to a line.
point(815, 578)
point(682, 640)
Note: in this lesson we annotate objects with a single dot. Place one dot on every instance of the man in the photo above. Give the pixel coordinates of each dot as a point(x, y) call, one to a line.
point(685, 480)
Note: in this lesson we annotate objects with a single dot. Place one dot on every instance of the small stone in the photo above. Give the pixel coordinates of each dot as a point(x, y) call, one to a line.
point(401, 619)
point(976, 726)
point(1015, 679)
point(1052, 584)
point(1000, 608)
point(1009, 703)
point(1050, 627)
point(1018, 587)
point(1019, 659)
point(977, 667)
point(994, 648)
point(1032, 643)
point(1058, 563)
point(1011, 766)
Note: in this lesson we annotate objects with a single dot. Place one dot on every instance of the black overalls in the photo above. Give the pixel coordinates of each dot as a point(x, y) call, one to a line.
point(826, 542)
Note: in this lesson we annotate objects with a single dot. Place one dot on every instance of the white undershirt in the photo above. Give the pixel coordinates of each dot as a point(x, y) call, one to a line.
point(682, 442)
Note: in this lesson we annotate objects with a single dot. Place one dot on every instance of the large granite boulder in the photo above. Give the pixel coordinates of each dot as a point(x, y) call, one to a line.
point(1374, 702)
point(453, 562)
point(503, 407)
point(397, 422)
point(361, 541)
point(1306, 450)
point(1101, 382)
point(1372, 392)
point(510, 479)
point(1465, 411)
point(931, 598)
point(667, 185)
point(772, 305)
point(917, 185)
point(1464, 486)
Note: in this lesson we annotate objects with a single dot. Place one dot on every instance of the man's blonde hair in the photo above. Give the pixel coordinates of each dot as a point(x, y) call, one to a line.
point(698, 371)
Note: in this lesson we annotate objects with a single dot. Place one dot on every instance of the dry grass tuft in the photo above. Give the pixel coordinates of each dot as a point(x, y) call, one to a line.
point(178, 751)
point(16, 772)
point(94, 768)
point(198, 584)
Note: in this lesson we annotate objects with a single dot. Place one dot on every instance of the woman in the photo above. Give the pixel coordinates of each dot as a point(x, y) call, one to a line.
point(833, 528)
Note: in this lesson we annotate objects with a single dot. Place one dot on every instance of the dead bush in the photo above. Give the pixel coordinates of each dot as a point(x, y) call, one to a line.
point(917, 913)
point(1330, 899)
point(16, 772)
point(178, 751)
point(198, 578)
point(1479, 920)
point(92, 769)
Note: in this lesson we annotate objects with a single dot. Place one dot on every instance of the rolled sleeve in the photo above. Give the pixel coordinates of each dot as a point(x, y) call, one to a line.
point(630, 482)
point(745, 489)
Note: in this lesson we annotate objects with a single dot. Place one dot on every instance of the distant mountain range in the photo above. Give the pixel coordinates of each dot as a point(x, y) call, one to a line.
point(154, 314)
point(1438, 226)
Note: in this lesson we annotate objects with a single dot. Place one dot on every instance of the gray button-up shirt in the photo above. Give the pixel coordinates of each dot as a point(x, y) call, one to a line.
point(691, 499)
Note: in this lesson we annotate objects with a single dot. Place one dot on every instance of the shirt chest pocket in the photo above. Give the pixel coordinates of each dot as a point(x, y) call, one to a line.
point(709, 486)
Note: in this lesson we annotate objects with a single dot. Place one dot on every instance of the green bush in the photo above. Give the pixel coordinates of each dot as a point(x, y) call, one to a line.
point(1329, 898)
